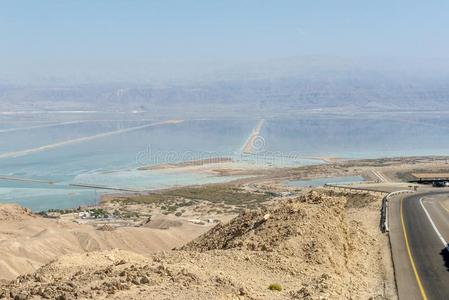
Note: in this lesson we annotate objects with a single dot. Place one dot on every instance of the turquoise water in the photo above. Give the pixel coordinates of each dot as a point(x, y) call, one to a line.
point(358, 137)
point(39, 199)
point(323, 181)
point(12, 125)
point(36, 137)
point(113, 160)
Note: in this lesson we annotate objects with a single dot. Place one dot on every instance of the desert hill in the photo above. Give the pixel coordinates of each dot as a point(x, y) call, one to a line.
point(312, 247)
point(29, 241)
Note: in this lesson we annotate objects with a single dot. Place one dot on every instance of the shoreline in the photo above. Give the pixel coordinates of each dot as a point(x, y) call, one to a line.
point(274, 175)
point(189, 163)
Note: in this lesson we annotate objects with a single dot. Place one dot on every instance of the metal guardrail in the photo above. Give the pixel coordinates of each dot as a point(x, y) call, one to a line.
point(384, 211)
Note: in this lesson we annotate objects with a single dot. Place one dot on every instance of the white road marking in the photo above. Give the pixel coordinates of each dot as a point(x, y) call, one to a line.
point(380, 176)
point(433, 225)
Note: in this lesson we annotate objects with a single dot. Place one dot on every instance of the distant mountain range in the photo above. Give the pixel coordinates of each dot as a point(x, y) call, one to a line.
point(268, 88)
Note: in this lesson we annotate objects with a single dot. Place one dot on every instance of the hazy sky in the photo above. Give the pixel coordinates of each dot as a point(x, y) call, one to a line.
point(129, 38)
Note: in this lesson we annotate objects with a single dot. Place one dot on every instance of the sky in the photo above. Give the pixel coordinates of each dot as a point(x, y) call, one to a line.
point(103, 40)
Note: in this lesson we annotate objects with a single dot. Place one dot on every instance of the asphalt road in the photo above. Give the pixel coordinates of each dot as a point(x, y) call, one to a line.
point(419, 229)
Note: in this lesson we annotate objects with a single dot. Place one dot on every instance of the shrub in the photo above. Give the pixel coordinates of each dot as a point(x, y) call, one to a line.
point(275, 287)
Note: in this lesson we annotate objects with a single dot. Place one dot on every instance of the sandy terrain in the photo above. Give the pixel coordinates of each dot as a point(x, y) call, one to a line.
point(28, 241)
point(313, 247)
point(390, 169)
point(190, 163)
point(430, 175)
point(255, 142)
point(318, 246)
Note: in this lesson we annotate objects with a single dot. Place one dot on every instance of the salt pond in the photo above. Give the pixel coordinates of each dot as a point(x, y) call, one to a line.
point(113, 160)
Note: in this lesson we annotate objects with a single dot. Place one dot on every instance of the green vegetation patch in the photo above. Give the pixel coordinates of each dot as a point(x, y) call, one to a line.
point(98, 213)
point(275, 287)
point(187, 196)
point(146, 199)
point(226, 194)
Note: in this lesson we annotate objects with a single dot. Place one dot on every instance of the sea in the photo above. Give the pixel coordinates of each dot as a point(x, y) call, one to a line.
point(46, 164)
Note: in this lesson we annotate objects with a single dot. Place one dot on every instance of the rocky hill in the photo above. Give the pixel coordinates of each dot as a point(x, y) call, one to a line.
point(312, 247)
